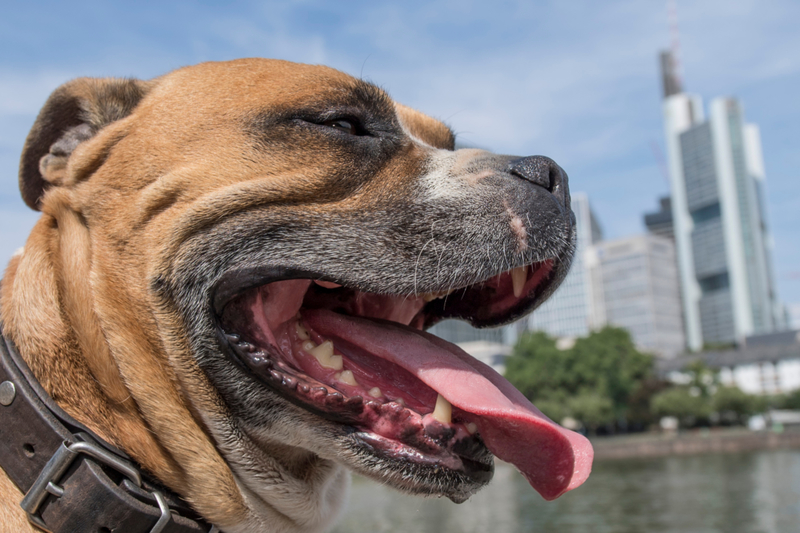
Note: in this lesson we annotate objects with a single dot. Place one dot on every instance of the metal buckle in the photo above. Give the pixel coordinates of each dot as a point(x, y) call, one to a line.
point(60, 462)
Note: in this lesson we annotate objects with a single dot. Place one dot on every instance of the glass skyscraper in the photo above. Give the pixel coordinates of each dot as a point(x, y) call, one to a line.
point(722, 239)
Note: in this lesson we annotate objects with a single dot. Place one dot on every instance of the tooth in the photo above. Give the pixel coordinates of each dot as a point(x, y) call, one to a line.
point(346, 376)
point(400, 401)
point(443, 412)
point(302, 332)
point(375, 392)
point(308, 346)
point(519, 276)
point(335, 362)
point(430, 296)
point(324, 354)
point(472, 427)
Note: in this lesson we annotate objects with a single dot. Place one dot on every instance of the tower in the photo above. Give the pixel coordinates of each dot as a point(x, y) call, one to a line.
point(716, 174)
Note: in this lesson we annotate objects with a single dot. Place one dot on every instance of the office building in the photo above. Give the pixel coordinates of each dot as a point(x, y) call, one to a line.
point(660, 222)
point(576, 308)
point(641, 291)
point(717, 179)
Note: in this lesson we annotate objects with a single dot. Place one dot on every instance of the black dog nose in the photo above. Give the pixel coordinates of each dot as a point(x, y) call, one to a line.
point(544, 172)
point(537, 169)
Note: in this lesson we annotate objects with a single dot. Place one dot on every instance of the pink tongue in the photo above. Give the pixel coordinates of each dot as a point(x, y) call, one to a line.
point(554, 460)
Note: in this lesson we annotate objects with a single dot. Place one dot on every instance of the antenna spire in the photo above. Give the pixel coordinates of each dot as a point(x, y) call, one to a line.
point(670, 59)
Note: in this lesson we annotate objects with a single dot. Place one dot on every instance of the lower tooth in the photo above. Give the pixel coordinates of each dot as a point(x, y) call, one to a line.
point(347, 377)
point(375, 392)
point(443, 412)
point(472, 427)
point(308, 346)
point(335, 362)
point(302, 332)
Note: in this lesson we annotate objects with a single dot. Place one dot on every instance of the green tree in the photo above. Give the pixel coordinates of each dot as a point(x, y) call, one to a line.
point(608, 363)
point(592, 382)
point(684, 403)
point(734, 405)
point(591, 408)
point(537, 368)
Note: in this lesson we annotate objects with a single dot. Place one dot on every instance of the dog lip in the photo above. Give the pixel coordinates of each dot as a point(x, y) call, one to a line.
point(238, 281)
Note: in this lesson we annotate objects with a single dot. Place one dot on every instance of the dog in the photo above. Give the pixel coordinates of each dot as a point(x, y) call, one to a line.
point(232, 276)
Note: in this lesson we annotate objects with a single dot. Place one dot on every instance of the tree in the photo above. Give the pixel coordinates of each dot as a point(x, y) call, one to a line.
point(680, 402)
point(608, 362)
point(537, 368)
point(735, 406)
point(592, 382)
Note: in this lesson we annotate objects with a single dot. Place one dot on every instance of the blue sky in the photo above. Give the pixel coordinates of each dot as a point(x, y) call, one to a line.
point(574, 80)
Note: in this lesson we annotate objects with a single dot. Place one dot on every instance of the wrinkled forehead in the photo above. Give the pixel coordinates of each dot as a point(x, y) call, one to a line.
point(272, 88)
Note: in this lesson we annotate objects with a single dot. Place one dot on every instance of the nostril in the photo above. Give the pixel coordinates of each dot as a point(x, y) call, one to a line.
point(537, 169)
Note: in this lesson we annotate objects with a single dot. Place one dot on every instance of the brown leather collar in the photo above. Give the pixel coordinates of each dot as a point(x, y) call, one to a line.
point(72, 479)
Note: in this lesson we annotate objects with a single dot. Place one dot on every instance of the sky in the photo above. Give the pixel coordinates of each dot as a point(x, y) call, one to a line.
point(574, 80)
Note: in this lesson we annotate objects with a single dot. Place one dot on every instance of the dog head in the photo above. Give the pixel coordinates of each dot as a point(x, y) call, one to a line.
point(263, 244)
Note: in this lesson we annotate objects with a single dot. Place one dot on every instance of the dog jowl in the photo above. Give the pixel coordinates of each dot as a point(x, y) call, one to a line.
point(233, 274)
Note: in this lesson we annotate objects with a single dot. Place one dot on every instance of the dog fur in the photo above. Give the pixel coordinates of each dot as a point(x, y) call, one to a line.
point(151, 191)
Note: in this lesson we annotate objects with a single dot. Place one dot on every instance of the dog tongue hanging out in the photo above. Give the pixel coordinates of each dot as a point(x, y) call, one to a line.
point(236, 264)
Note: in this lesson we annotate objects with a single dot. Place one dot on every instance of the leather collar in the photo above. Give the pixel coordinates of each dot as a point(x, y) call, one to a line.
point(72, 479)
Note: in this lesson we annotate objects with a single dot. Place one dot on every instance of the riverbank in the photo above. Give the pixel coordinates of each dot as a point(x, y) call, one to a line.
point(716, 440)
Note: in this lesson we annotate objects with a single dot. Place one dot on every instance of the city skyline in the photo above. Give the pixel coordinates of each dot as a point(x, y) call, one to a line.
point(577, 83)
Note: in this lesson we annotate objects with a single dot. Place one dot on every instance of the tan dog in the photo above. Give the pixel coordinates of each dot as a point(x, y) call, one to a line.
point(231, 275)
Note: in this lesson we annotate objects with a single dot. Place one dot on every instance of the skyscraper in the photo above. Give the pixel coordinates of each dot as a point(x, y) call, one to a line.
point(716, 175)
point(576, 307)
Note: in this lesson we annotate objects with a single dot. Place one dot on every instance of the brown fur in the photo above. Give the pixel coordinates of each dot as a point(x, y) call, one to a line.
point(142, 184)
point(77, 302)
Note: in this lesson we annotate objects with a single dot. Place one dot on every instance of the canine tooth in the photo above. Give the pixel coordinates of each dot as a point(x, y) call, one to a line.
point(519, 276)
point(375, 392)
point(302, 332)
point(472, 427)
point(443, 412)
point(346, 376)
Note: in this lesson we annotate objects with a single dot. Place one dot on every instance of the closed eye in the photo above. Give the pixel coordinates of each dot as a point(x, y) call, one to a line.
point(351, 126)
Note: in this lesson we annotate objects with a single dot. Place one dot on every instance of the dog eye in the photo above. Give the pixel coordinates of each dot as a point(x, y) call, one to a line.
point(347, 126)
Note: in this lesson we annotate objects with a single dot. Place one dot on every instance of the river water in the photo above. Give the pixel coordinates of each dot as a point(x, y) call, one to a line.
point(749, 493)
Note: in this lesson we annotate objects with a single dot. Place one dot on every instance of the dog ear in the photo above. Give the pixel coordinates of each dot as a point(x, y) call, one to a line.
point(74, 113)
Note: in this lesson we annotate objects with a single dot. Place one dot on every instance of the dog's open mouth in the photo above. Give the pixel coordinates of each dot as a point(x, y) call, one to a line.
point(363, 359)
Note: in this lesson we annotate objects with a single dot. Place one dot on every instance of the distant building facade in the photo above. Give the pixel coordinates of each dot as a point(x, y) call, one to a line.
point(641, 292)
point(660, 222)
point(576, 307)
point(717, 201)
point(762, 364)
